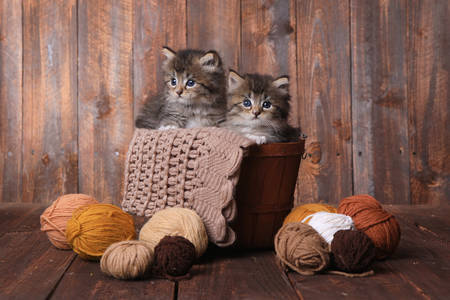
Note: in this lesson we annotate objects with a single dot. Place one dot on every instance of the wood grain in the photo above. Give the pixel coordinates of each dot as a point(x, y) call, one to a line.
point(84, 280)
point(428, 101)
point(385, 284)
point(215, 24)
point(29, 265)
point(420, 256)
point(324, 111)
point(19, 217)
point(11, 69)
point(379, 103)
point(369, 86)
point(105, 107)
point(49, 100)
point(252, 276)
point(426, 218)
point(156, 24)
point(266, 36)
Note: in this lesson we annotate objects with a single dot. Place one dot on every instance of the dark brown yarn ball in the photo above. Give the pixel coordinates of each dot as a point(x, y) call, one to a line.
point(174, 256)
point(352, 251)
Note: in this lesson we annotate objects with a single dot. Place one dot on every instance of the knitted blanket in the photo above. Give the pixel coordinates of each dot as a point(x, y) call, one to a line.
point(193, 168)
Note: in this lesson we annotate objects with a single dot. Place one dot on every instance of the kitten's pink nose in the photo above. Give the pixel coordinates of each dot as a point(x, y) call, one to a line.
point(179, 92)
point(256, 113)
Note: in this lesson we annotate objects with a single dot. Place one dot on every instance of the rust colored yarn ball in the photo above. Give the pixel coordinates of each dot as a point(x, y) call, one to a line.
point(302, 211)
point(301, 248)
point(352, 251)
point(174, 256)
point(54, 219)
point(370, 217)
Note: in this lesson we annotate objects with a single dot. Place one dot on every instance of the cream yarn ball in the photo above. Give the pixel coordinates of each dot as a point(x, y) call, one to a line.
point(327, 224)
point(127, 260)
point(176, 221)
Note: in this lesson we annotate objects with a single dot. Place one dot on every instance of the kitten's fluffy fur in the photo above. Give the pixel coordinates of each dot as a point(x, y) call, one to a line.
point(194, 94)
point(258, 108)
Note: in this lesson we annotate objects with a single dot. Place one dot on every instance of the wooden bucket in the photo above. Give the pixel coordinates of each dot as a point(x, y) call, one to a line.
point(264, 193)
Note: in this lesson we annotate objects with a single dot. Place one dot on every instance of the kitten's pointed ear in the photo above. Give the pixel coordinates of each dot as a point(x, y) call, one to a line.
point(282, 83)
point(234, 80)
point(210, 61)
point(169, 53)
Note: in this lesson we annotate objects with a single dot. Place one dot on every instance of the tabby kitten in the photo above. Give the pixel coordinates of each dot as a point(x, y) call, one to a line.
point(258, 108)
point(194, 93)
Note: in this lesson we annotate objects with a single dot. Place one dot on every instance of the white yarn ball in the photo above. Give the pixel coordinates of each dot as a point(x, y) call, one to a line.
point(327, 224)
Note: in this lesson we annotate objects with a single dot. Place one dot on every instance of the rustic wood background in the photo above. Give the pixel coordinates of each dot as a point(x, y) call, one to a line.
point(369, 82)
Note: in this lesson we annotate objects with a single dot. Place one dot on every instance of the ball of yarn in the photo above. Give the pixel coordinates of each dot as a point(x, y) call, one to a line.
point(302, 211)
point(93, 228)
point(327, 224)
point(127, 260)
point(174, 256)
point(352, 251)
point(370, 217)
point(301, 248)
point(54, 219)
point(176, 221)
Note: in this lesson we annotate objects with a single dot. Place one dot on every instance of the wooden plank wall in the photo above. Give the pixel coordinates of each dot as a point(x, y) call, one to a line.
point(369, 84)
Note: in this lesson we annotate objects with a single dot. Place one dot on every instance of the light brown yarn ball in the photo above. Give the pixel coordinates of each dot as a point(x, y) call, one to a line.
point(176, 221)
point(54, 219)
point(127, 260)
point(301, 248)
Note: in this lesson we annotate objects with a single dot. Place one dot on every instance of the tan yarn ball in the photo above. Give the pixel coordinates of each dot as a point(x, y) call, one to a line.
point(127, 260)
point(176, 221)
point(54, 219)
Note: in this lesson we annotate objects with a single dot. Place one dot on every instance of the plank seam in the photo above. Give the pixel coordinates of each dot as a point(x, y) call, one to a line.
point(407, 59)
point(50, 294)
point(350, 62)
point(186, 14)
point(239, 66)
point(287, 279)
point(408, 281)
point(175, 288)
point(21, 117)
point(77, 100)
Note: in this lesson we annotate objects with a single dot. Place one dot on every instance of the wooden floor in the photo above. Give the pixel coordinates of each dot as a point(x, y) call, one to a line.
point(30, 268)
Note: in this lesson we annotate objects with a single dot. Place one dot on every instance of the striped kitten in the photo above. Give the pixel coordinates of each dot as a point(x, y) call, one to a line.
point(194, 94)
point(258, 108)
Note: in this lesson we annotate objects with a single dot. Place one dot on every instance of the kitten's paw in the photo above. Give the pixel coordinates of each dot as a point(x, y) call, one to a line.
point(259, 139)
point(167, 127)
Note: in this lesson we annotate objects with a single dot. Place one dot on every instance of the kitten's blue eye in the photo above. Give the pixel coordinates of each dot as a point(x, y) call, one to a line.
point(266, 104)
point(173, 81)
point(190, 83)
point(247, 103)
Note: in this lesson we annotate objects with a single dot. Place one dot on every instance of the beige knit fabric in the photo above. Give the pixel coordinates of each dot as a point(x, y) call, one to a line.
point(193, 168)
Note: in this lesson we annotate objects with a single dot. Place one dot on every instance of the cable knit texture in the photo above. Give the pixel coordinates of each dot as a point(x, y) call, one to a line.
point(194, 168)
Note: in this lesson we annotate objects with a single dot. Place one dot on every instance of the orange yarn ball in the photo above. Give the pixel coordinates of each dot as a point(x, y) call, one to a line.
point(302, 211)
point(370, 217)
point(54, 219)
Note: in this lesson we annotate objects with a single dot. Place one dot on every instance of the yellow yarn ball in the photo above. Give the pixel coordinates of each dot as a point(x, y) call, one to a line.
point(93, 228)
point(127, 260)
point(176, 221)
point(302, 211)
